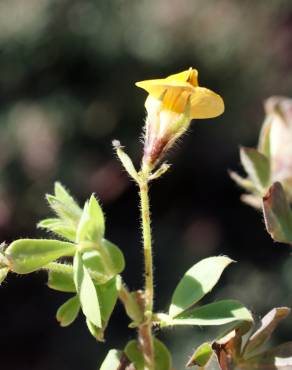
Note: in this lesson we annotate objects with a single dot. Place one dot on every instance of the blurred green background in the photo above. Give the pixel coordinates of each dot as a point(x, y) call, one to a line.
point(67, 73)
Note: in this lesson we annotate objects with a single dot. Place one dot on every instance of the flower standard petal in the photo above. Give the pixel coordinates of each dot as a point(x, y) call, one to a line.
point(185, 80)
point(157, 87)
point(190, 76)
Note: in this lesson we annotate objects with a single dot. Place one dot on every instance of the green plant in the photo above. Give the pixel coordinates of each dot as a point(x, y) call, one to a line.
point(82, 263)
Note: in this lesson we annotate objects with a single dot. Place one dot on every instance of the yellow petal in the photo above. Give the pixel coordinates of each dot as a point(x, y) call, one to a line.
point(176, 100)
point(205, 103)
point(190, 76)
point(157, 87)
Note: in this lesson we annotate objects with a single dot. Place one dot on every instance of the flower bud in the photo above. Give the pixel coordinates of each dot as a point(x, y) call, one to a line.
point(278, 125)
point(171, 105)
point(271, 162)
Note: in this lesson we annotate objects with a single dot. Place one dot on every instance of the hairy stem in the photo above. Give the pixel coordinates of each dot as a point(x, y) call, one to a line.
point(147, 241)
point(145, 330)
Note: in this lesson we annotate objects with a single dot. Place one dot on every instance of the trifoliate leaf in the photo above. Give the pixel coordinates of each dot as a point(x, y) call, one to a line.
point(28, 255)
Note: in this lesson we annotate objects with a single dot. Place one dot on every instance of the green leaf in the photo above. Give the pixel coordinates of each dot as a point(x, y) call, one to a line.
point(257, 166)
point(93, 262)
point(86, 291)
point(91, 225)
point(64, 196)
point(217, 313)
point(116, 256)
point(201, 356)
point(197, 282)
point(161, 355)
point(3, 273)
point(213, 364)
point(64, 205)
point(108, 264)
point(28, 255)
point(59, 227)
point(107, 296)
point(278, 214)
point(68, 312)
point(97, 333)
point(61, 281)
point(66, 212)
point(268, 325)
point(114, 360)
point(279, 357)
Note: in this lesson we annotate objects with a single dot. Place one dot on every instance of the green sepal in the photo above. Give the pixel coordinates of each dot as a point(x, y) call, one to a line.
point(115, 360)
point(264, 139)
point(197, 282)
point(68, 312)
point(86, 291)
point(91, 226)
point(217, 313)
point(61, 281)
point(59, 227)
point(257, 166)
point(162, 356)
point(278, 214)
point(201, 356)
point(3, 273)
point(28, 255)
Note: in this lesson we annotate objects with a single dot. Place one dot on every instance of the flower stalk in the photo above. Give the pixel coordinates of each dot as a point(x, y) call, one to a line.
point(145, 330)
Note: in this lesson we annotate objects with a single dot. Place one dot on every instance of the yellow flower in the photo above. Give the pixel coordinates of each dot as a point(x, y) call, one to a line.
point(176, 90)
point(171, 104)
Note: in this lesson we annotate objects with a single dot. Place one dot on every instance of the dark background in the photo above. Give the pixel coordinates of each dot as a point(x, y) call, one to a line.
point(67, 73)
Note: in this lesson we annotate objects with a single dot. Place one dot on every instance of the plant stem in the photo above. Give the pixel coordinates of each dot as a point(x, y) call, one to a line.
point(145, 329)
point(147, 241)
